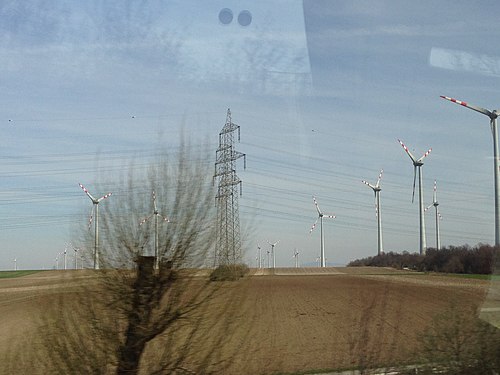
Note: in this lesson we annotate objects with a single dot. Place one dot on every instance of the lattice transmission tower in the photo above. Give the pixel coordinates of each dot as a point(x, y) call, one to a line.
point(228, 246)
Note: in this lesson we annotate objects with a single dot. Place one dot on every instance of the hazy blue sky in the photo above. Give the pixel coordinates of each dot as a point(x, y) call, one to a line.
point(322, 90)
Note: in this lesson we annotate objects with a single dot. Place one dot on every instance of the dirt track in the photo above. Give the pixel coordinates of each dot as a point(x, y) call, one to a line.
point(284, 322)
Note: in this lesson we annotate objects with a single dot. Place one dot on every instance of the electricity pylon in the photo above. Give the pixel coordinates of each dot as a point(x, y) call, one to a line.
point(228, 246)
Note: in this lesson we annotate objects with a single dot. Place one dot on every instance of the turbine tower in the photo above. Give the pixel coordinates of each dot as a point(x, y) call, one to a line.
point(228, 245)
point(273, 253)
point(65, 256)
point(496, 164)
point(376, 189)
point(259, 249)
point(417, 164)
point(438, 216)
point(95, 210)
point(320, 218)
point(156, 214)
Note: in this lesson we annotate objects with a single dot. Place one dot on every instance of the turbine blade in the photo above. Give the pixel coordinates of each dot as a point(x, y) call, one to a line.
point(145, 219)
point(414, 180)
point(165, 218)
point(368, 184)
point(425, 155)
point(104, 197)
point(435, 193)
point(379, 178)
point(470, 106)
point(329, 216)
point(317, 206)
point(91, 217)
point(87, 192)
point(313, 226)
point(407, 151)
point(154, 201)
point(428, 207)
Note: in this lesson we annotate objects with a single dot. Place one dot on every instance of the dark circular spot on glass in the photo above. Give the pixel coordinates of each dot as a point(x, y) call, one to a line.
point(226, 16)
point(245, 18)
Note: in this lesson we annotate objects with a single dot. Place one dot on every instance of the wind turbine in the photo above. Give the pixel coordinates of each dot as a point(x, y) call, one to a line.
point(15, 264)
point(75, 249)
point(438, 216)
point(95, 208)
point(296, 256)
point(260, 255)
point(376, 189)
point(496, 164)
point(417, 164)
point(65, 251)
point(320, 218)
point(155, 214)
point(273, 254)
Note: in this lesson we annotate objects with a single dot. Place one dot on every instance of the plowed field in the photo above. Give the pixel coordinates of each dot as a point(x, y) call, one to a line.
point(286, 322)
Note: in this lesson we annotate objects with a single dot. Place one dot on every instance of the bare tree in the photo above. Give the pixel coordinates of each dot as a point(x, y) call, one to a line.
point(129, 306)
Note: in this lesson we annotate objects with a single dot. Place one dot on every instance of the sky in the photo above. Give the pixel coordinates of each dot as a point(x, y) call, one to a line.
point(322, 91)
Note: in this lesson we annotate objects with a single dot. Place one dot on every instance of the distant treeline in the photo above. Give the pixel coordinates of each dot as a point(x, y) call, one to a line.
point(453, 259)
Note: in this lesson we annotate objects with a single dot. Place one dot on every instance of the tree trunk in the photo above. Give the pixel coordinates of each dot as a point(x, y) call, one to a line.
point(138, 318)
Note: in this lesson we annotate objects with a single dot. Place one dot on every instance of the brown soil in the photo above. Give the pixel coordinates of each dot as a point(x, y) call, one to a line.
point(287, 322)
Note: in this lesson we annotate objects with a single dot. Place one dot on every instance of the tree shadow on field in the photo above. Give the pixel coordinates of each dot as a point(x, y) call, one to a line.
point(82, 332)
point(212, 339)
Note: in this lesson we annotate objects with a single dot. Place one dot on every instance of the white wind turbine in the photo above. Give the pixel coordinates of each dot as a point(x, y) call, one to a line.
point(75, 249)
point(15, 264)
point(95, 210)
point(376, 189)
point(435, 204)
point(156, 214)
point(296, 256)
point(417, 164)
point(496, 163)
point(273, 253)
point(259, 250)
point(320, 218)
point(65, 254)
